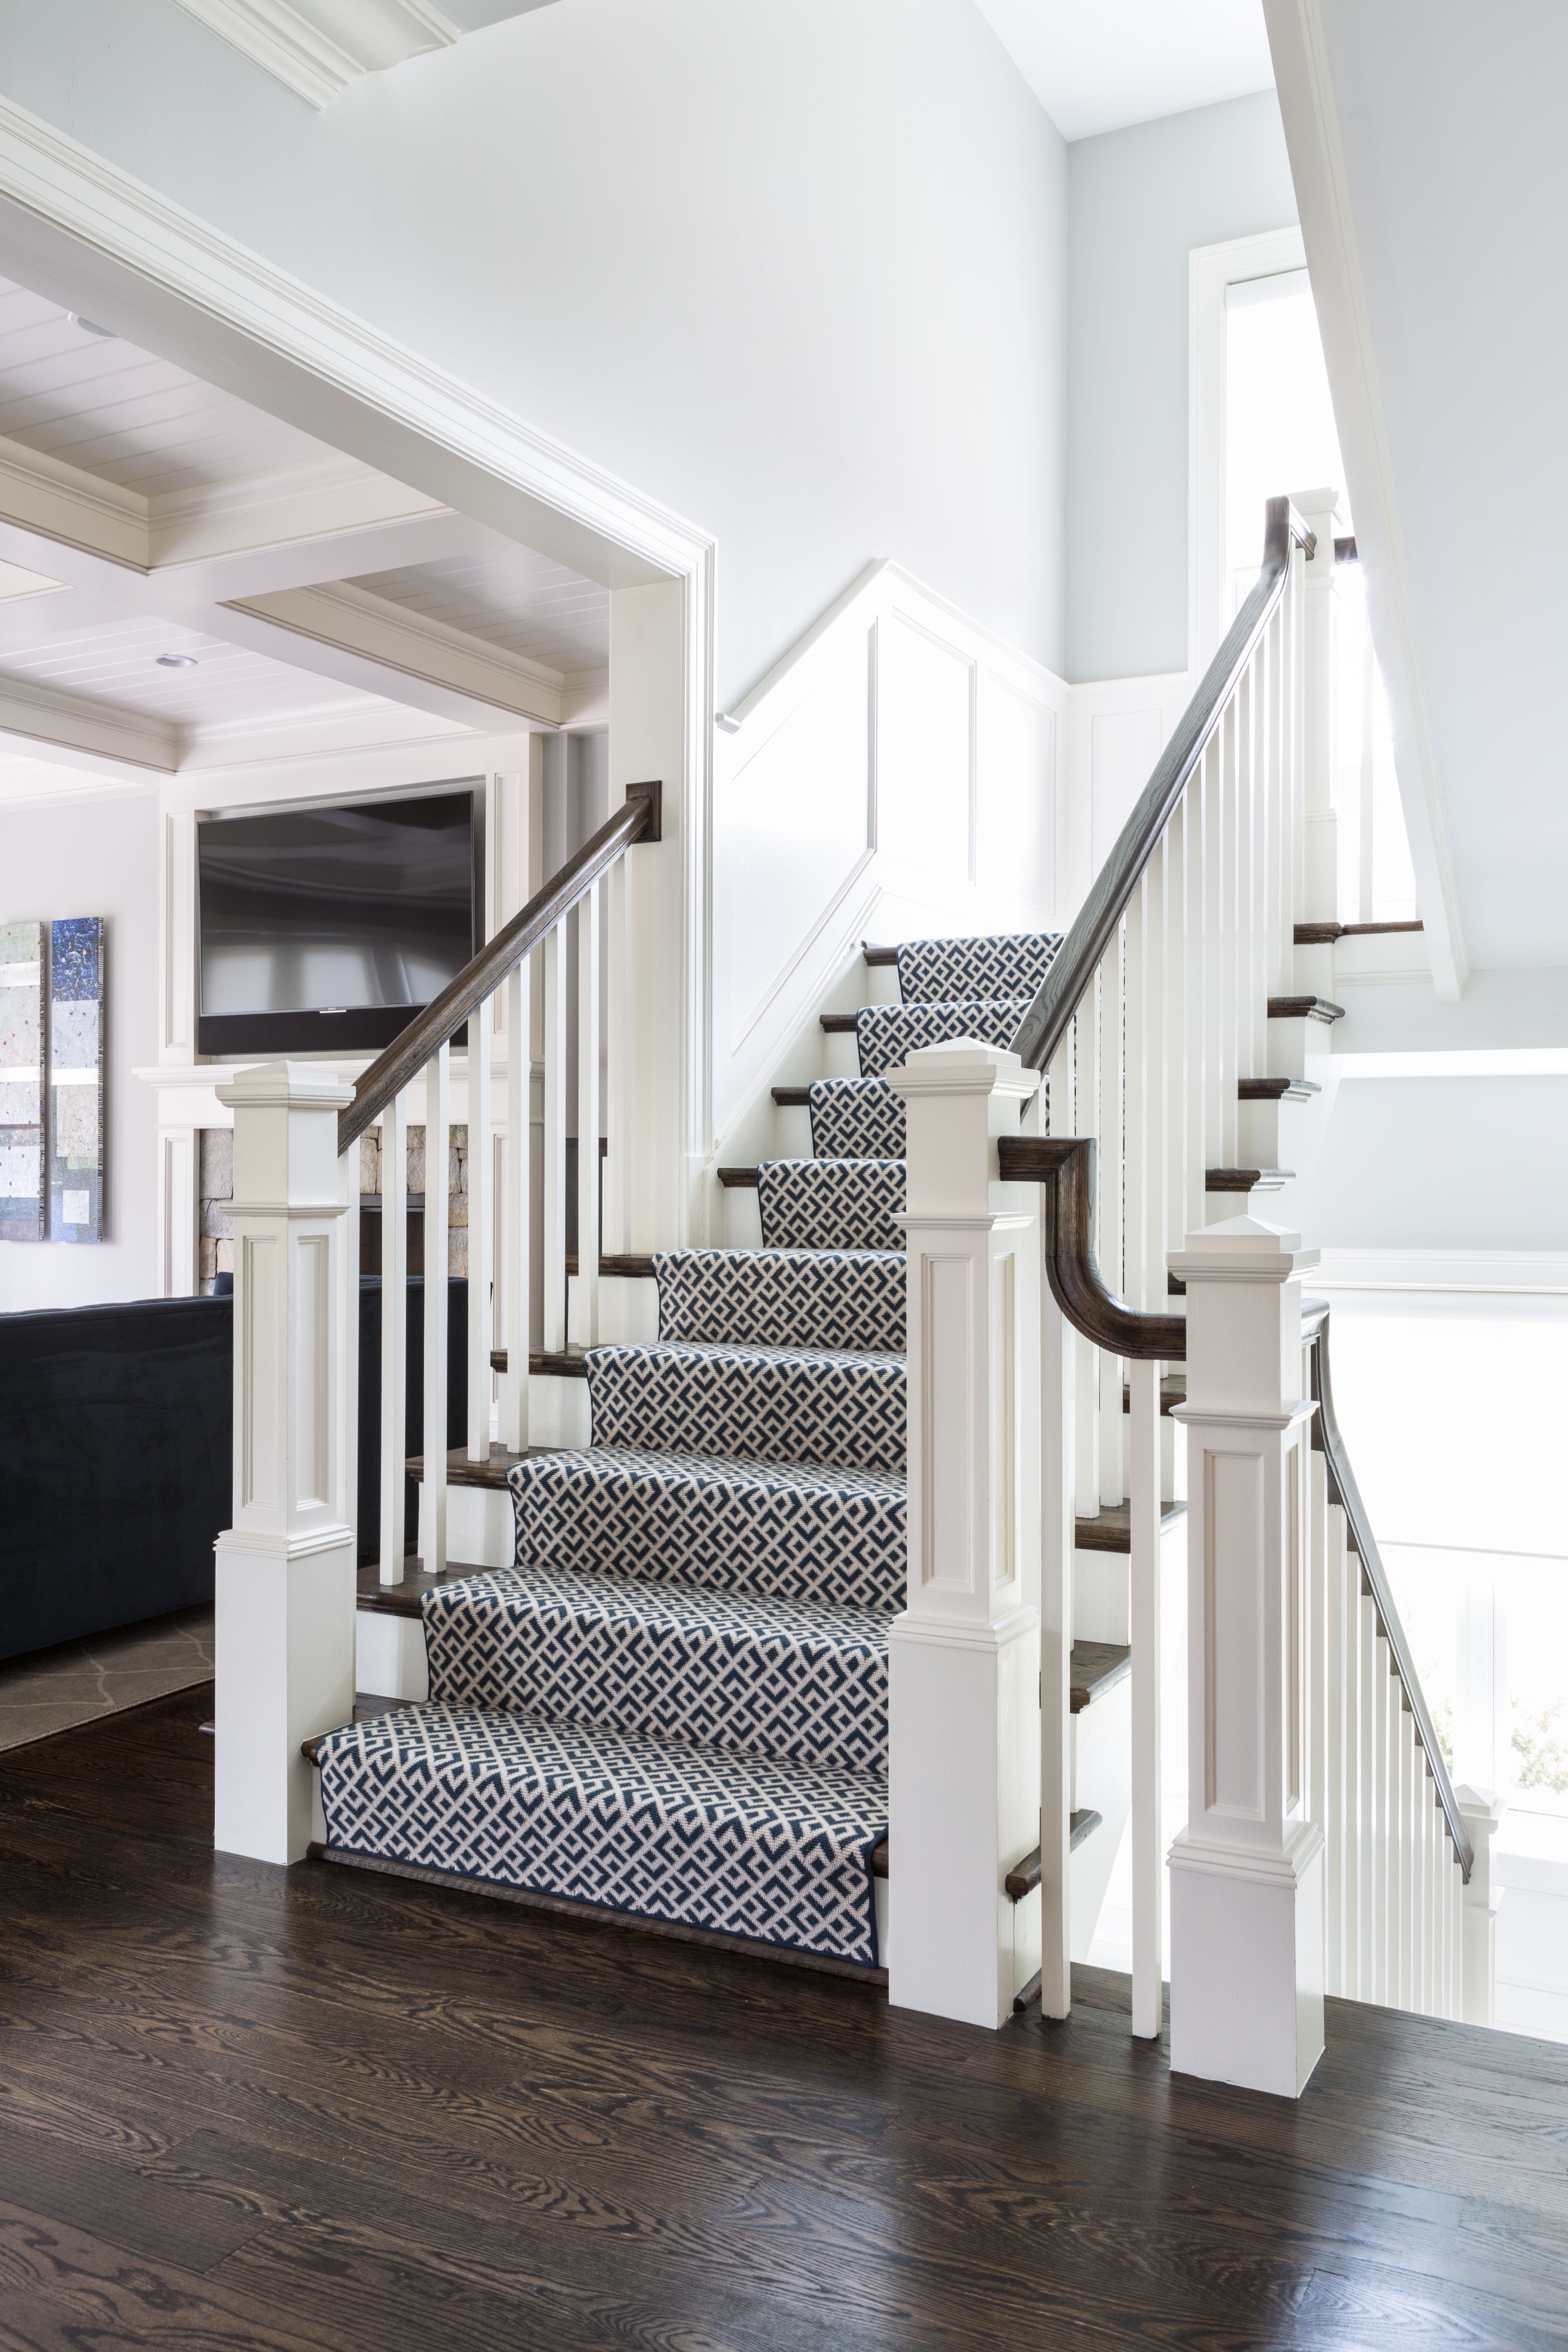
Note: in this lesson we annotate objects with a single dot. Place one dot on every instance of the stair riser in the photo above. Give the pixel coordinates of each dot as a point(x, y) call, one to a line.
point(1296, 1047)
point(815, 1299)
point(792, 1132)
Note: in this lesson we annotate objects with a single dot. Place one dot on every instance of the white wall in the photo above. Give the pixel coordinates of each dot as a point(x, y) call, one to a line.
point(796, 272)
point(97, 855)
point(1139, 201)
point(1443, 1163)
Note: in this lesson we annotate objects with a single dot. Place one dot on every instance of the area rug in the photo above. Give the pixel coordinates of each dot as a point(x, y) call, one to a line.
point(78, 1682)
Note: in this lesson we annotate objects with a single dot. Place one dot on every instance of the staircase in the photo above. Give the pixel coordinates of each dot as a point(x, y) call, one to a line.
point(675, 1705)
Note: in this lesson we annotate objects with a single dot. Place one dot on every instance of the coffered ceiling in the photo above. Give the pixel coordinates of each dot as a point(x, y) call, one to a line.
point(185, 582)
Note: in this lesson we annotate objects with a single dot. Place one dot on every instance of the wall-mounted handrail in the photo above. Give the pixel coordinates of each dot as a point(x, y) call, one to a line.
point(1342, 1489)
point(409, 1051)
point(1072, 968)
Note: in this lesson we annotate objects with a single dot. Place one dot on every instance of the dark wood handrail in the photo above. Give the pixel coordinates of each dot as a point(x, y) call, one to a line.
point(1064, 1164)
point(1073, 966)
point(1343, 1490)
point(482, 976)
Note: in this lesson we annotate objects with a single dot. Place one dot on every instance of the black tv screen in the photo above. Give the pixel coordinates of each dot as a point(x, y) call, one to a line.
point(328, 927)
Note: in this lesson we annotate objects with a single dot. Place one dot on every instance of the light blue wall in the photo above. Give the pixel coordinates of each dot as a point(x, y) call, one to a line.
point(1139, 201)
point(797, 272)
point(1443, 1163)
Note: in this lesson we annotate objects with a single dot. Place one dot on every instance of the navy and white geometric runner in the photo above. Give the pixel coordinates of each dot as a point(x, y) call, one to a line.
point(792, 1679)
point(856, 1119)
point(939, 971)
point(761, 1404)
point(832, 1204)
point(776, 1852)
point(785, 1297)
point(886, 1033)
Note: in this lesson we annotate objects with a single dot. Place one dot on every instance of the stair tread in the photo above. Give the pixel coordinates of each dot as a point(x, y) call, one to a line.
point(1096, 1667)
point(705, 1838)
point(1172, 1392)
point(1244, 1180)
point(1276, 1089)
point(1304, 1008)
point(1110, 1529)
point(852, 1299)
point(407, 1600)
point(461, 1471)
point(800, 1404)
point(1025, 1877)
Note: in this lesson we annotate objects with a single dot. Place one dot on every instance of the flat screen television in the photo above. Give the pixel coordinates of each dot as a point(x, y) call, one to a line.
point(327, 928)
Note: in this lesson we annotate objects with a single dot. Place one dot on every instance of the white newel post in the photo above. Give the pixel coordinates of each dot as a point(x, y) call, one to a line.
point(965, 1789)
point(1481, 1812)
point(286, 1566)
point(1247, 1873)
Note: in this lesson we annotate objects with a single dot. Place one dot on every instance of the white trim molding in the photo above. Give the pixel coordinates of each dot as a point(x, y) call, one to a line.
point(1322, 191)
point(1500, 1272)
point(318, 46)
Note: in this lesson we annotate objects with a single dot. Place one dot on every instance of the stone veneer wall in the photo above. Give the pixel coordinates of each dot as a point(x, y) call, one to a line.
point(216, 1227)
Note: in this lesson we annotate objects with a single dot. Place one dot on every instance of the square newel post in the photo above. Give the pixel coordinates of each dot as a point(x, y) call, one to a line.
point(1247, 1873)
point(286, 1566)
point(964, 1761)
point(1482, 1812)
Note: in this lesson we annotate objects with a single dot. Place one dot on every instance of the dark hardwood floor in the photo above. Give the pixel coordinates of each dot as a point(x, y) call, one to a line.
point(240, 2106)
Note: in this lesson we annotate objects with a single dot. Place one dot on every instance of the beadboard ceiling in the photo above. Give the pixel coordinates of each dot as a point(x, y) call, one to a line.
point(319, 606)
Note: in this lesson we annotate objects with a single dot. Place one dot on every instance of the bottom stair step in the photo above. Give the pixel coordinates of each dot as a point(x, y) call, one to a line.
point(1027, 1876)
point(778, 1852)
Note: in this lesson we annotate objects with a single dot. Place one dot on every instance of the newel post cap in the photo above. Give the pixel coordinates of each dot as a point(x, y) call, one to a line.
point(1242, 1249)
point(963, 1066)
point(286, 1086)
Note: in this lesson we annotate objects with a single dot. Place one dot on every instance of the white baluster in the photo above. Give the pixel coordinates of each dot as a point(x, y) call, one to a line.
point(613, 1114)
point(349, 1189)
point(394, 1336)
point(482, 1233)
point(1234, 733)
point(1059, 1357)
point(438, 1148)
point(1323, 1697)
point(1148, 1839)
point(518, 1229)
point(1369, 1896)
point(588, 1033)
point(554, 1277)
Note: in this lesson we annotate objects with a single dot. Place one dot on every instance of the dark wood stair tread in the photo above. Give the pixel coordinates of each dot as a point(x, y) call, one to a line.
point(572, 1366)
point(1110, 1529)
point(792, 1097)
point(1172, 1391)
point(461, 1471)
point(1246, 1180)
point(624, 1268)
point(743, 1180)
point(403, 1600)
point(1276, 1089)
point(874, 954)
point(1027, 1876)
point(838, 1025)
point(1096, 1667)
point(1304, 1008)
point(1323, 935)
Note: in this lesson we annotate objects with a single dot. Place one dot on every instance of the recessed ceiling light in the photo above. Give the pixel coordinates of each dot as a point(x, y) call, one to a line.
point(176, 661)
point(90, 326)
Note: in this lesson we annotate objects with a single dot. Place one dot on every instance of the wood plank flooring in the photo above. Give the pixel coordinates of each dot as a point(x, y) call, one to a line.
point(241, 2106)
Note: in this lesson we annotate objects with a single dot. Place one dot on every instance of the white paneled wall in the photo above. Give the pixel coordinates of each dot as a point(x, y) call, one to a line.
point(899, 773)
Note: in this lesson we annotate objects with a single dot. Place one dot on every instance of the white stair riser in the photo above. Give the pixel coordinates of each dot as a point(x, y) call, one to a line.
point(792, 1132)
point(1101, 1592)
point(389, 1654)
point(743, 1226)
point(628, 1312)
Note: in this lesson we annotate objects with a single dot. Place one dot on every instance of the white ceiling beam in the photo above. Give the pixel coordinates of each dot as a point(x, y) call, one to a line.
point(318, 46)
point(417, 647)
point(326, 654)
point(59, 505)
point(75, 730)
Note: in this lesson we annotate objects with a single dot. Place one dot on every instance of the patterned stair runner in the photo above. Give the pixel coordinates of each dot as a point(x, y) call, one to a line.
point(674, 1704)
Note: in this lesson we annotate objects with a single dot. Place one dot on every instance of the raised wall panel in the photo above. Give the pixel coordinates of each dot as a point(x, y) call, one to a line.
point(1016, 796)
point(796, 824)
point(925, 749)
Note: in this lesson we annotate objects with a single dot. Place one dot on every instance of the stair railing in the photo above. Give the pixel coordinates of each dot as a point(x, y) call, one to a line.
point(1153, 1031)
point(286, 1568)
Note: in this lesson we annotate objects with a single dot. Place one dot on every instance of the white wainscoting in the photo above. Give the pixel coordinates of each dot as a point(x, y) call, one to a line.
point(899, 773)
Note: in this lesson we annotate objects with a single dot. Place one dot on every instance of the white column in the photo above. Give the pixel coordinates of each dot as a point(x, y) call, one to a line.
point(1247, 1873)
point(1482, 1812)
point(965, 1789)
point(286, 1566)
point(1319, 510)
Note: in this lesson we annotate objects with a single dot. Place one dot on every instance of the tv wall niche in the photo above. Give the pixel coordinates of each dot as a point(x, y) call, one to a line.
point(326, 927)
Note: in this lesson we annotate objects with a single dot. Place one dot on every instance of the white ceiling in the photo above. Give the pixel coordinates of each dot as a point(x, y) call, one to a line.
point(322, 605)
point(1100, 65)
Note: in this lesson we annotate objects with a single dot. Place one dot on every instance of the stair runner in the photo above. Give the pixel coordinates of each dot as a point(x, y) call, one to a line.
point(674, 1704)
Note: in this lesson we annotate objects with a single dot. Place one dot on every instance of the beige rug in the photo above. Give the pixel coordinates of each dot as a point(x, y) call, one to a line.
point(57, 1690)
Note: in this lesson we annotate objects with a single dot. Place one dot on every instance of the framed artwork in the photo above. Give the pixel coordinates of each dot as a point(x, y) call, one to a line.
point(76, 1079)
point(24, 1189)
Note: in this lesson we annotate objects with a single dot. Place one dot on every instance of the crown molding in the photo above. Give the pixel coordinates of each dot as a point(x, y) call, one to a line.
point(318, 46)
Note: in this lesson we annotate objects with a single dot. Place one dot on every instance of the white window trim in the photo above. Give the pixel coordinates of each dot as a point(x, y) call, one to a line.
point(1212, 270)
